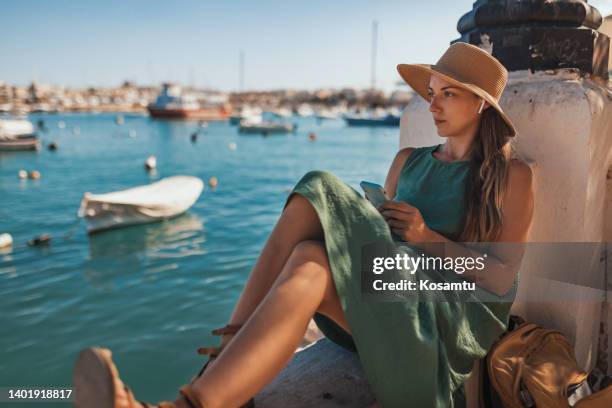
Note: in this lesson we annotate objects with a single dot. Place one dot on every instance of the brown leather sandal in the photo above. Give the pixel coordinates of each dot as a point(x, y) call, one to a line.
point(94, 382)
point(95, 375)
point(213, 352)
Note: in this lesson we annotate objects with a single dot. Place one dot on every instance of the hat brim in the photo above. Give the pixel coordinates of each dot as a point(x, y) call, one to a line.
point(418, 75)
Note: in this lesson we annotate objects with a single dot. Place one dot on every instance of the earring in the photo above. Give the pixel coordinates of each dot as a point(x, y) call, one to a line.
point(481, 107)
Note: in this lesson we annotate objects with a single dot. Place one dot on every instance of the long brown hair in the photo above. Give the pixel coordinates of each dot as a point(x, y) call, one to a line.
point(490, 159)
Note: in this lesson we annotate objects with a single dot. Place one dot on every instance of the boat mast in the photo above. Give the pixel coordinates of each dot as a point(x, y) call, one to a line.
point(241, 72)
point(374, 38)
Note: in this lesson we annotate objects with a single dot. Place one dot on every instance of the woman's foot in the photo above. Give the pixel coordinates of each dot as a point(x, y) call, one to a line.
point(97, 385)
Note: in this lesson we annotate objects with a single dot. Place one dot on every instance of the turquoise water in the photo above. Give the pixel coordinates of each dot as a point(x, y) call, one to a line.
point(150, 293)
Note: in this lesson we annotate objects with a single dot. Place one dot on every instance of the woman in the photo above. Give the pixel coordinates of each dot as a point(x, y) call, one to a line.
point(414, 353)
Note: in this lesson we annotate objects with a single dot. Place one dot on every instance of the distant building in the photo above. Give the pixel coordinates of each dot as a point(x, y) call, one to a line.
point(6, 93)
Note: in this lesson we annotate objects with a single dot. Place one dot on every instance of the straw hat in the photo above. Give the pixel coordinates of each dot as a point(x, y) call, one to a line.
point(465, 66)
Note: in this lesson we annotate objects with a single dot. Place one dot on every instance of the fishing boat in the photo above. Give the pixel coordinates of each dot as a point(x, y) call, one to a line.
point(16, 135)
point(157, 201)
point(171, 103)
point(266, 127)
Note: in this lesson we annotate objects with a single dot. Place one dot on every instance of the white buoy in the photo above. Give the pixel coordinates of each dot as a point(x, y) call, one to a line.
point(6, 240)
point(232, 145)
point(61, 124)
point(23, 174)
point(132, 133)
point(151, 163)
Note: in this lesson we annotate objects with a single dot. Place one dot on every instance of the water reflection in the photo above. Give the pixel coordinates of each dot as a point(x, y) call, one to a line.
point(177, 237)
point(130, 256)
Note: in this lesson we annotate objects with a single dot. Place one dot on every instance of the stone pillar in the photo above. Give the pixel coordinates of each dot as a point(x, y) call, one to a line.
point(561, 104)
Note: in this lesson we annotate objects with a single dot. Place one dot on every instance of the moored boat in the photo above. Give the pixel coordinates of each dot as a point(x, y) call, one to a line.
point(376, 118)
point(16, 135)
point(157, 201)
point(246, 113)
point(304, 110)
point(326, 114)
point(282, 113)
point(173, 104)
point(266, 127)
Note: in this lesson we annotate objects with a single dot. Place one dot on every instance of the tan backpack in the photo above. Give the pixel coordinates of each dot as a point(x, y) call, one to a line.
point(530, 366)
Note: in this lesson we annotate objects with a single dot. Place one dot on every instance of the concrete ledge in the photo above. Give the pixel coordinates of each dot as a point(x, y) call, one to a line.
point(321, 375)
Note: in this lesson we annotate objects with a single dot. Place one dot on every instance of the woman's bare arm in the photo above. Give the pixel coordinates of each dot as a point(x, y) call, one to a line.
point(395, 170)
point(504, 258)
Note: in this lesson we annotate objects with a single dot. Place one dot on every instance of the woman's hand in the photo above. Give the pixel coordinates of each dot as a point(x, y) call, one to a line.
point(405, 221)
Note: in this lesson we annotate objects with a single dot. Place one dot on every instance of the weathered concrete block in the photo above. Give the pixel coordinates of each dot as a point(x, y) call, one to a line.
point(321, 375)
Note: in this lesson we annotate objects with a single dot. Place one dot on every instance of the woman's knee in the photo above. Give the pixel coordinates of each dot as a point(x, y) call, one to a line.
point(320, 175)
point(302, 218)
point(308, 263)
point(310, 250)
point(321, 178)
point(297, 199)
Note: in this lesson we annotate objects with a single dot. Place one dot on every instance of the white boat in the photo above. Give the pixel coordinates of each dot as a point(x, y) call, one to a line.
point(281, 113)
point(17, 135)
point(161, 200)
point(246, 113)
point(326, 114)
point(304, 110)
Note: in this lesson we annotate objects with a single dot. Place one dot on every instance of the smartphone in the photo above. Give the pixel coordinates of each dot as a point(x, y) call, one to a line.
point(375, 193)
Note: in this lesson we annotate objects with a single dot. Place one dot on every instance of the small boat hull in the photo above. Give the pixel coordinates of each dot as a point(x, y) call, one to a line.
point(158, 201)
point(391, 121)
point(20, 143)
point(266, 128)
point(114, 217)
point(211, 114)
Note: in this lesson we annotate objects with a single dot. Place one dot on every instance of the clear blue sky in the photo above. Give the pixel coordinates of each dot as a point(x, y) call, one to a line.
point(287, 44)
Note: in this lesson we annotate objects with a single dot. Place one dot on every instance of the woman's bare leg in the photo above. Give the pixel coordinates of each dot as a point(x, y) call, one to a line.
point(298, 222)
point(266, 343)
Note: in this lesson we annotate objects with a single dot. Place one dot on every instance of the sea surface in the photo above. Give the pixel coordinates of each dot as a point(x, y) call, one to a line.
point(150, 293)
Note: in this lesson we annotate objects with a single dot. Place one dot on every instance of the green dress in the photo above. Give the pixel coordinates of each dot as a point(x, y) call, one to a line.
point(413, 353)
